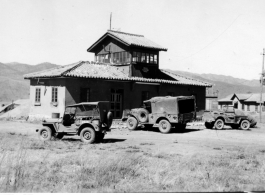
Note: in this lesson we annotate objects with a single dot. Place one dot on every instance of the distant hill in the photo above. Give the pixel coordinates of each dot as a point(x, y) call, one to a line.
point(12, 84)
point(226, 85)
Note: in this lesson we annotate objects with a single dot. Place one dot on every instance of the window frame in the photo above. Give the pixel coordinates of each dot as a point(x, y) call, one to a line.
point(37, 95)
point(54, 95)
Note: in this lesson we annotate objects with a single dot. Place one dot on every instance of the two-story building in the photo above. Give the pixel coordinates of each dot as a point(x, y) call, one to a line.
point(125, 72)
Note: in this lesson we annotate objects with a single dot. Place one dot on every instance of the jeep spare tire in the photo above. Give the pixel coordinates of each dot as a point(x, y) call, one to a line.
point(132, 123)
point(109, 119)
point(143, 115)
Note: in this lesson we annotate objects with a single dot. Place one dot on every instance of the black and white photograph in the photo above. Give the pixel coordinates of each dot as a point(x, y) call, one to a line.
point(132, 96)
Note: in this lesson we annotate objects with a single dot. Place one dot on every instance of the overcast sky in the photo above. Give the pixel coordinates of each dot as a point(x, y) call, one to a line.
point(202, 36)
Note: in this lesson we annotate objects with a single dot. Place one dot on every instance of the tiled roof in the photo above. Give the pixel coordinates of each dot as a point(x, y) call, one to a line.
point(130, 39)
point(110, 72)
point(186, 80)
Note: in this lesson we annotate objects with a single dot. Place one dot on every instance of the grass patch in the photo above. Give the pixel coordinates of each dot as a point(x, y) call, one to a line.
point(68, 166)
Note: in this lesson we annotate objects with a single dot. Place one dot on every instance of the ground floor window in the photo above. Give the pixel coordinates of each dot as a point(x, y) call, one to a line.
point(243, 107)
point(263, 108)
point(256, 108)
point(248, 108)
point(84, 94)
point(54, 94)
point(37, 95)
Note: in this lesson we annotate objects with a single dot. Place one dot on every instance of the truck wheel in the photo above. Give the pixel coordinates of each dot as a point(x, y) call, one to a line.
point(209, 125)
point(132, 123)
point(45, 134)
point(99, 137)
point(219, 124)
point(164, 126)
point(244, 124)
point(88, 135)
point(143, 115)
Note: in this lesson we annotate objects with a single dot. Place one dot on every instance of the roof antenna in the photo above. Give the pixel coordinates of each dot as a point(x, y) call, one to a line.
point(110, 20)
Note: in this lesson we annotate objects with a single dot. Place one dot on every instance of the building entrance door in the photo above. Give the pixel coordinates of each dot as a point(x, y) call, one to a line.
point(116, 102)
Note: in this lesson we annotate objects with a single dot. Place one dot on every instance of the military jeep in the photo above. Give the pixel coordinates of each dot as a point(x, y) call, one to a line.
point(89, 120)
point(229, 116)
point(165, 112)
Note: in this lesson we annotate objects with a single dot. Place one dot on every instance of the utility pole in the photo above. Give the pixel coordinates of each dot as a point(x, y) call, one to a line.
point(110, 21)
point(261, 86)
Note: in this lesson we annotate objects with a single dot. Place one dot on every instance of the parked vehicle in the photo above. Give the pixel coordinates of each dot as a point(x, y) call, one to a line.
point(229, 116)
point(165, 112)
point(89, 120)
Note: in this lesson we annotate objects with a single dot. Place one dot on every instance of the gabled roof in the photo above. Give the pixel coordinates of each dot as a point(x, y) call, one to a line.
point(129, 40)
point(242, 96)
point(109, 72)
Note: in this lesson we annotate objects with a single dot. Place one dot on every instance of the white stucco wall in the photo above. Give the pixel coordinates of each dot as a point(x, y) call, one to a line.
point(46, 107)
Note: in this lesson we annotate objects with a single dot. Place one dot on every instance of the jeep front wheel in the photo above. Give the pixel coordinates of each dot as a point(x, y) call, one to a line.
point(132, 123)
point(244, 124)
point(164, 126)
point(45, 134)
point(219, 124)
point(88, 135)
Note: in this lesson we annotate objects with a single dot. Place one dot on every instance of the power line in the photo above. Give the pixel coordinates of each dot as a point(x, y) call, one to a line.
point(212, 40)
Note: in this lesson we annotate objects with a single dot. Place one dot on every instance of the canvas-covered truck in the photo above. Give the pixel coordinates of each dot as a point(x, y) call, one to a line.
point(89, 120)
point(165, 112)
point(229, 116)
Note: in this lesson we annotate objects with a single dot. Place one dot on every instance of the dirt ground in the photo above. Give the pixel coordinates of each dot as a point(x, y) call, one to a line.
point(224, 160)
point(195, 139)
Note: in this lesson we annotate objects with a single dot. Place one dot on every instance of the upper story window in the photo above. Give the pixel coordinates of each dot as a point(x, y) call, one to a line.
point(54, 94)
point(144, 57)
point(117, 57)
point(103, 58)
point(37, 95)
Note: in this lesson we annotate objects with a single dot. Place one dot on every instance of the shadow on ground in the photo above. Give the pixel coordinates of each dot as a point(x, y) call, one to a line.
point(173, 131)
point(111, 140)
